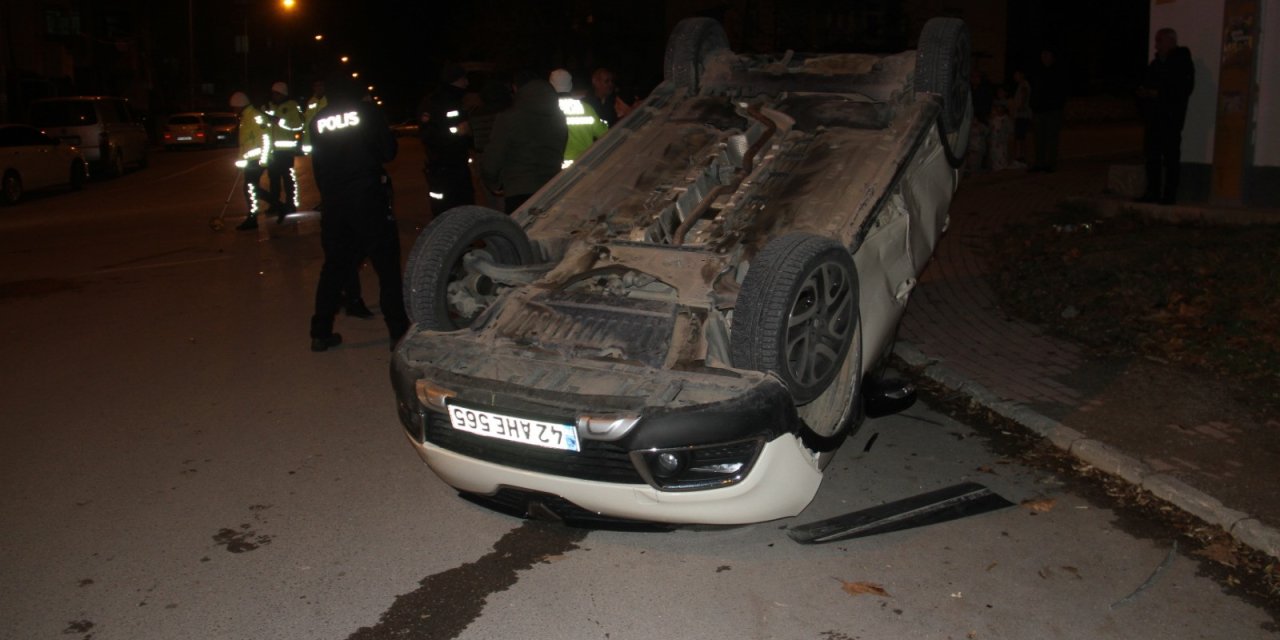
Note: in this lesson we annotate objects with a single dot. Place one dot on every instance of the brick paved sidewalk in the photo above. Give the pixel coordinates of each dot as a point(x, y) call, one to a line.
point(1175, 439)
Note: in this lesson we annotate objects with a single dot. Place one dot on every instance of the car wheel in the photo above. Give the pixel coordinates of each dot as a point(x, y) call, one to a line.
point(77, 175)
point(439, 292)
point(942, 69)
point(797, 314)
point(691, 46)
point(11, 187)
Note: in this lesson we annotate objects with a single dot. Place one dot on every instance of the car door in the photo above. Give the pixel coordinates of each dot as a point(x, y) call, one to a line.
point(46, 163)
point(26, 156)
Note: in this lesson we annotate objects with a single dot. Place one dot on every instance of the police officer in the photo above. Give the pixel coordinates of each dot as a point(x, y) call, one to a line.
point(286, 127)
point(350, 142)
point(446, 135)
point(585, 127)
point(255, 154)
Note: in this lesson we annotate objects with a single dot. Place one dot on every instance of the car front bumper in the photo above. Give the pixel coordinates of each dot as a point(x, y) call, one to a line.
point(709, 418)
point(783, 481)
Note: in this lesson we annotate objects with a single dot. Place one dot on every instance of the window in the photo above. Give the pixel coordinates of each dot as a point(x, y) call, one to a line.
point(63, 113)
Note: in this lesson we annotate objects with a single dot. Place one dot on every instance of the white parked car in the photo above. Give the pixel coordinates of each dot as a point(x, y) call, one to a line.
point(31, 160)
point(684, 325)
point(107, 131)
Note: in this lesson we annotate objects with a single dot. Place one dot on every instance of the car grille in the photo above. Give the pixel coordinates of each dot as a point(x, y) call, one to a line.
point(599, 461)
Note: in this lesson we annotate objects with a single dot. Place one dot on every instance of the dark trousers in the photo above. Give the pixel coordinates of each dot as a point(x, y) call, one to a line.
point(350, 231)
point(1162, 146)
point(451, 181)
point(280, 172)
point(1047, 129)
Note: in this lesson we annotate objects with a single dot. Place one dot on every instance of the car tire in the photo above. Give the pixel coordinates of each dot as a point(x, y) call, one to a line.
point(11, 188)
point(435, 261)
point(942, 68)
point(785, 324)
point(77, 175)
point(692, 44)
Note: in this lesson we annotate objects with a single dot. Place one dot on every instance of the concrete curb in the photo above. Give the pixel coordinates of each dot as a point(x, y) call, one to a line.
point(1244, 528)
point(1178, 214)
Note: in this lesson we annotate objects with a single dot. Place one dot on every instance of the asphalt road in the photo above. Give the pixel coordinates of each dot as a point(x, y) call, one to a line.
point(177, 464)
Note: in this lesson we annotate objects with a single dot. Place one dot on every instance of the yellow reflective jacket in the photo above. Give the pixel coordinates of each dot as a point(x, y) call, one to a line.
point(286, 124)
point(255, 138)
point(585, 127)
point(314, 105)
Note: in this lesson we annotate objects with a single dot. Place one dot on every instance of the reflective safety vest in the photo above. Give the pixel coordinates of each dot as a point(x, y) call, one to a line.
point(286, 124)
point(314, 105)
point(255, 138)
point(585, 127)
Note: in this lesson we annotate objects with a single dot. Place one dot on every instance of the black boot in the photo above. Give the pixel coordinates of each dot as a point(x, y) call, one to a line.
point(356, 309)
point(250, 223)
point(324, 344)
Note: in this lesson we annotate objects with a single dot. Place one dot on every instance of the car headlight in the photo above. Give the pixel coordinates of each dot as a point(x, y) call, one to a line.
point(698, 467)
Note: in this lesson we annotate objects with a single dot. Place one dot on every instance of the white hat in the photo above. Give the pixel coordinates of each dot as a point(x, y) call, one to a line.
point(280, 88)
point(562, 81)
point(239, 100)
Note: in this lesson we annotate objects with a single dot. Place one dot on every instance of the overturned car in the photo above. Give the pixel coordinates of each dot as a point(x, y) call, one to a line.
point(683, 325)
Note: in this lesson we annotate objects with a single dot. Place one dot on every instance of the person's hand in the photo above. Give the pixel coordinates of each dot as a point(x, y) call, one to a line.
point(621, 107)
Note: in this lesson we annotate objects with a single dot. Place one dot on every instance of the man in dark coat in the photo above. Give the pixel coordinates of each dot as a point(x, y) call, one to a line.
point(527, 145)
point(350, 142)
point(446, 135)
point(1163, 97)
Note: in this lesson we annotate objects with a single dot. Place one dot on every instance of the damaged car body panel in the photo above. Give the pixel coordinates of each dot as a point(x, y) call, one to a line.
point(677, 328)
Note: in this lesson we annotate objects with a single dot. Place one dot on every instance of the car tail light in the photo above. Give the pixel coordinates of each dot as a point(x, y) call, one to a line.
point(700, 467)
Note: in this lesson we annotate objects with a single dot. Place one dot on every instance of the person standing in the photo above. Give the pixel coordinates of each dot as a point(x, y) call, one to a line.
point(1020, 106)
point(255, 153)
point(603, 98)
point(446, 135)
point(527, 146)
point(1163, 96)
point(314, 105)
point(351, 142)
point(585, 127)
point(286, 127)
point(1048, 99)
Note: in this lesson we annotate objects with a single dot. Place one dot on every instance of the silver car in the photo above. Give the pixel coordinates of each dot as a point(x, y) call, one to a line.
point(31, 160)
point(684, 325)
point(105, 129)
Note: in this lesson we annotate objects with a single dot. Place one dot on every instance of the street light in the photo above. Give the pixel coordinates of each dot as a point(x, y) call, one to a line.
point(355, 74)
point(319, 37)
point(288, 4)
point(345, 59)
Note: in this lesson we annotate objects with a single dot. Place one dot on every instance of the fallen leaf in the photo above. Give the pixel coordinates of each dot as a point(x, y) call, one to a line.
point(1071, 570)
point(1221, 552)
point(985, 469)
point(863, 588)
point(992, 566)
point(1045, 572)
point(1042, 505)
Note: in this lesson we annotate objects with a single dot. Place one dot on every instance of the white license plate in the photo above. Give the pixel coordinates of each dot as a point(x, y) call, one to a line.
point(551, 435)
point(184, 138)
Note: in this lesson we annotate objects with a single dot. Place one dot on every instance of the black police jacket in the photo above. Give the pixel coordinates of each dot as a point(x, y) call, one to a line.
point(350, 141)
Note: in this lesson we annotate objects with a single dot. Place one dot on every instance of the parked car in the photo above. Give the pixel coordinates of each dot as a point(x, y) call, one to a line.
point(685, 324)
point(107, 131)
point(223, 128)
point(186, 130)
point(31, 160)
